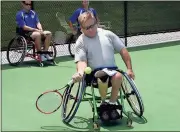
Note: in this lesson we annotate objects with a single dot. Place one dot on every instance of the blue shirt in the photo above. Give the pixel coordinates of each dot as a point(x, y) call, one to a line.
point(27, 19)
point(76, 14)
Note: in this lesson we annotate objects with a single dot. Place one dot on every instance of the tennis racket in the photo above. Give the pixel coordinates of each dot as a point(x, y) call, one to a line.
point(50, 101)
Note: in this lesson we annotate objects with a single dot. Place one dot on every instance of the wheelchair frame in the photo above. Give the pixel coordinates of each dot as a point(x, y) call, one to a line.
point(93, 100)
point(28, 45)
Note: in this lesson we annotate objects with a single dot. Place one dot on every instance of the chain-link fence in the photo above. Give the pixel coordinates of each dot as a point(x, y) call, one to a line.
point(127, 18)
point(152, 17)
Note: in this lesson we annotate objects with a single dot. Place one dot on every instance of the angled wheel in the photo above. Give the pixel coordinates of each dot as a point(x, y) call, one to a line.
point(71, 48)
point(52, 48)
point(132, 95)
point(71, 44)
point(16, 50)
point(71, 100)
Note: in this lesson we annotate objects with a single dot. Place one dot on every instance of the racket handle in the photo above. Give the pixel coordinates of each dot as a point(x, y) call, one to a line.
point(70, 82)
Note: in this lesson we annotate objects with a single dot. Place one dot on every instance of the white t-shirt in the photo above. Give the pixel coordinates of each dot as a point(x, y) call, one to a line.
point(99, 50)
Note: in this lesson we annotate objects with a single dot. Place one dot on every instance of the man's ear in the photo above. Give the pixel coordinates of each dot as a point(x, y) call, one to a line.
point(81, 28)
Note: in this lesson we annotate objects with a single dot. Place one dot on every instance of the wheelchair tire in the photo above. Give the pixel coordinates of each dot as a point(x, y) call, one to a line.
point(52, 48)
point(71, 44)
point(77, 100)
point(21, 43)
point(70, 48)
point(133, 91)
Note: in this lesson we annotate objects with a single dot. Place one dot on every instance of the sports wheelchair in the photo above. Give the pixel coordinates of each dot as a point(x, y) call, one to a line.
point(23, 46)
point(74, 95)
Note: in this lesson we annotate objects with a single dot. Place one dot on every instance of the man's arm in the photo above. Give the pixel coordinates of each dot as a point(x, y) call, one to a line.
point(39, 26)
point(72, 20)
point(120, 47)
point(80, 60)
point(71, 26)
point(126, 58)
point(80, 56)
point(81, 65)
point(27, 28)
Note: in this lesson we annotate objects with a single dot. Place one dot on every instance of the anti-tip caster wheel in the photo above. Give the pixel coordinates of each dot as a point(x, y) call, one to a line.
point(51, 62)
point(54, 63)
point(96, 127)
point(129, 120)
point(41, 64)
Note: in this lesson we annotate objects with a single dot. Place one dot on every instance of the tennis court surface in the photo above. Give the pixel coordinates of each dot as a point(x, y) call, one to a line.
point(157, 78)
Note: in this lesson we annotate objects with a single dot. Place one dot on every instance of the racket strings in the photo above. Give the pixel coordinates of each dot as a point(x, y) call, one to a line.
point(131, 94)
point(49, 102)
point(72, 99)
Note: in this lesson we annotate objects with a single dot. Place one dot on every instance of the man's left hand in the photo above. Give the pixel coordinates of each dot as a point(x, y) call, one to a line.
point(41, 31)
point(131, 73)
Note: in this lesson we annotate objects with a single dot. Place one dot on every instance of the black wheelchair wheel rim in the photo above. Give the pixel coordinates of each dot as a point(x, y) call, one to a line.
point(76, 104)
point(52, 48)
point(138, 111)
point(66, 95)
point(23, 44)
point(70, 48)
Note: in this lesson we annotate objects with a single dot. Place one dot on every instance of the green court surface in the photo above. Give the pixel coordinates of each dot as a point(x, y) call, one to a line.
point(157, 77)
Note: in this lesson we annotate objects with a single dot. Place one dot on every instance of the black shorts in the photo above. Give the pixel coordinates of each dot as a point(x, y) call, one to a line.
point(90, 79)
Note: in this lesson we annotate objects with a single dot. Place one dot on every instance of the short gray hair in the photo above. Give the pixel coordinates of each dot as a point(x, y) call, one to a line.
point(85, 16)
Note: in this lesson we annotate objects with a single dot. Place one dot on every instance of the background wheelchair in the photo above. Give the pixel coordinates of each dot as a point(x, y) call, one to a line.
point(22, 46)
point(74, 95)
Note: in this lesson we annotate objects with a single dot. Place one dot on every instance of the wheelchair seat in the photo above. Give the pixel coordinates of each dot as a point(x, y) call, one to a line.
point(91, 79)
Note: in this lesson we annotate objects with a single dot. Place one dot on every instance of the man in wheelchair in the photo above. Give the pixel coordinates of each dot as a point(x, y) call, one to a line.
point(95, 48)
point(29, 26)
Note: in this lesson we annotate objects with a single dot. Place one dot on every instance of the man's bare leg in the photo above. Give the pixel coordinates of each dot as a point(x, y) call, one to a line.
point(103, 86)
point(116, 85)
point(48, 36)
point(36, 36)
point(37, 39)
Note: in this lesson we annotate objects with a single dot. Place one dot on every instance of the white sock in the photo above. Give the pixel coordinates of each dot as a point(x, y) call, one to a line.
point(113, 103)
point(102, 101)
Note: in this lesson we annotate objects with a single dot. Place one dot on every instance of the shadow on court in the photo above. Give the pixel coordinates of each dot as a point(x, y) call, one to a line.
point(82, 124)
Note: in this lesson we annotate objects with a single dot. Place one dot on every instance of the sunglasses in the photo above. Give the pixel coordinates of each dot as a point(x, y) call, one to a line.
point(91, 26)
point(27, 4)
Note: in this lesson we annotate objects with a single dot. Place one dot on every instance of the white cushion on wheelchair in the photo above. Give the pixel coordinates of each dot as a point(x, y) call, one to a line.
point(105, 72)
point(100, 74)
point(109, 72)
point(46, 32)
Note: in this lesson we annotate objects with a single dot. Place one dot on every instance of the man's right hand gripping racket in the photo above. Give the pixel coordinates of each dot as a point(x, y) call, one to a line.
point(50, 101)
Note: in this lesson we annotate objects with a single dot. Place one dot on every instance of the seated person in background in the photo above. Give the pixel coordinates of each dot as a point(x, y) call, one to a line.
point(95, 48)
point(76, 31)
point(28, 25)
